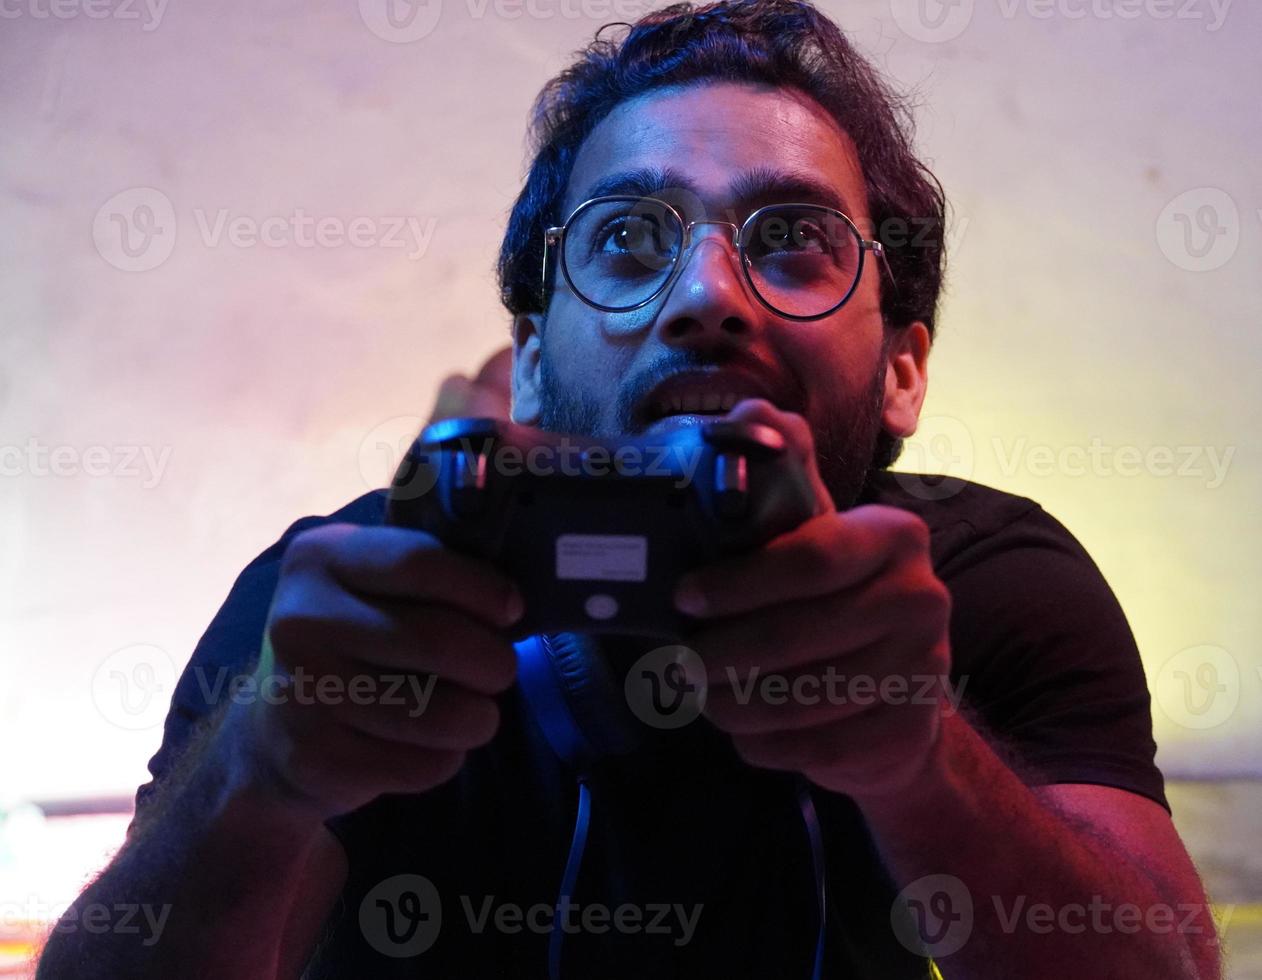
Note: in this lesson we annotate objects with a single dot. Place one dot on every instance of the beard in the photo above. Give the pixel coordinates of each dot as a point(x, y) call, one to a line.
point(850, 441)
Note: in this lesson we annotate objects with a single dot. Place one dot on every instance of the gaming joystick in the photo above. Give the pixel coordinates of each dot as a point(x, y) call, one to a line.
point(596, 532)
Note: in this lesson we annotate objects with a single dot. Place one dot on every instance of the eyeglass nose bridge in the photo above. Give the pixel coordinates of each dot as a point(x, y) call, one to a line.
point(688, 242)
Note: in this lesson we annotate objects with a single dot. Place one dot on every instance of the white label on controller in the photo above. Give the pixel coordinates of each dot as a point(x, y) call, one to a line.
point(603, 557)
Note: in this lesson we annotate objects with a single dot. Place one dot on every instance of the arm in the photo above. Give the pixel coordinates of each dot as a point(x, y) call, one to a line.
point(855, 596)
point(221, 854)
point(1053, 881)
point(217, 860)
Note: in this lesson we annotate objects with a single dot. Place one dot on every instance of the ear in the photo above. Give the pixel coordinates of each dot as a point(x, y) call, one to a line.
point(527, 367)
point(906, 379)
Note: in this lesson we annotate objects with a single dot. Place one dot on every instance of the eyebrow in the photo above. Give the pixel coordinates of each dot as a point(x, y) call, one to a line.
point(750, 188)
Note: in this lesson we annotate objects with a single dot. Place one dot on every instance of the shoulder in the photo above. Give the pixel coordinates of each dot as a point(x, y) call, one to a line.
point(970, 521)
point(1021, 583)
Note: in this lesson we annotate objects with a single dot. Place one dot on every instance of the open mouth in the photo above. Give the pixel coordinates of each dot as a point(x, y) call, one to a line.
point(691, 396)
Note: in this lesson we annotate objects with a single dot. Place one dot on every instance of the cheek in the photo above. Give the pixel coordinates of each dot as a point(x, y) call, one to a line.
point(579, 355)
point(833, 361)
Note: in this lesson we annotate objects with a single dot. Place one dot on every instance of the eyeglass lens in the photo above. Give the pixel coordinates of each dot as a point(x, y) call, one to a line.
point(802, 260)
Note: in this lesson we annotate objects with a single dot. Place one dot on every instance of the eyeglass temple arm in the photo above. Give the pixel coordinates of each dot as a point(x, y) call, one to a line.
point(877, 249)
point(550, 237)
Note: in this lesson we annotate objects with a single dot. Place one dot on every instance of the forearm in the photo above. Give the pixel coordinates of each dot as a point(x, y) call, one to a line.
point(1047, 899)
point(211, 872)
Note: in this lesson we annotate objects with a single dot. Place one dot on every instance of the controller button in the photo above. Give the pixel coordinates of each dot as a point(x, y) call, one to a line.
point(743, 435)
point(731, 484)
point(467, 494)
point(601, 605)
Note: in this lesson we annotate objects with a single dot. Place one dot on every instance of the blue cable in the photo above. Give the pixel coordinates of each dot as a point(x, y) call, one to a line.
point(809, 817)
point(570, 878)
point(579, 843)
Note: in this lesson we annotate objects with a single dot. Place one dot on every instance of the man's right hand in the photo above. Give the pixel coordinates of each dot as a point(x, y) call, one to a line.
point(394, 649)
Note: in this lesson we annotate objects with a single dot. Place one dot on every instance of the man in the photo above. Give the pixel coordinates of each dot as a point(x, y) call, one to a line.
point(280, 831)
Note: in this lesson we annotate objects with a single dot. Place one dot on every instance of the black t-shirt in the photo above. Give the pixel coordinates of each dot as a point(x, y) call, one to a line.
point(1049, 667)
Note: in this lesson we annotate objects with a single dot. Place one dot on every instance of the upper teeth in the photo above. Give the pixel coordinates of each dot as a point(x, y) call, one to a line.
point(698, 402)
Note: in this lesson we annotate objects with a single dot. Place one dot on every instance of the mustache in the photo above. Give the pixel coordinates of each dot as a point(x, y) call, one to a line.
point(784, 391)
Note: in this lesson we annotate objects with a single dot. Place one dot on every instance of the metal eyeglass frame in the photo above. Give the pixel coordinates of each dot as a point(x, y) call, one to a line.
point(555, 237)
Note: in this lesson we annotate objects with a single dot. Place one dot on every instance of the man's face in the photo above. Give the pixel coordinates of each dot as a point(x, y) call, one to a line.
point(708, 339)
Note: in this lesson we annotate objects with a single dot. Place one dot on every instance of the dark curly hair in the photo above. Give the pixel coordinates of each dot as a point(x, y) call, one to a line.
point(784, 43)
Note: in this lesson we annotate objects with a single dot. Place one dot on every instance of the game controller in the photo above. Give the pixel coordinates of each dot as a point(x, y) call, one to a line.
point(596, 532)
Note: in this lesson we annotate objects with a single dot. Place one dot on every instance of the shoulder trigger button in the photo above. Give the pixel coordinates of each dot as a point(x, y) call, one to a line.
point(467, 491)
point(731, 484)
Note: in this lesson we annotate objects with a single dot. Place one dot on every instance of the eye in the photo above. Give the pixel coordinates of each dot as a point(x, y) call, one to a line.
point(630, 233)
point(789, 235)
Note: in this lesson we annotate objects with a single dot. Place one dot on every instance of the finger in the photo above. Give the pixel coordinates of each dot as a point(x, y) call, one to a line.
point(404, 563)
point(888, 614)
point(828, 553)
point(863, 750)
point(797, 435)
point(391, 636)
point(829, 691)
point(421, 711)
point(365, 764)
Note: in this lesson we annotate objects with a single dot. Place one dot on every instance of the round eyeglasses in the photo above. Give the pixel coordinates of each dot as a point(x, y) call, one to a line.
point(802, 261)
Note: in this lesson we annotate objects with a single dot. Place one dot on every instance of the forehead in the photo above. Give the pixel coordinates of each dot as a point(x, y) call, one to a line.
point(725, 146)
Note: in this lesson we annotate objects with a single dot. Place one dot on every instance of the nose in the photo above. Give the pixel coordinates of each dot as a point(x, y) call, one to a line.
point(708, 304)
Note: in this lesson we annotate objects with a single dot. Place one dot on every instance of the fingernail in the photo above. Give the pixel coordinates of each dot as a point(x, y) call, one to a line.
point(689, 599)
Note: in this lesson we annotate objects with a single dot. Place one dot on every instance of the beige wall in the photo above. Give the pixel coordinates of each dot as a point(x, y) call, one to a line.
point(261, 379)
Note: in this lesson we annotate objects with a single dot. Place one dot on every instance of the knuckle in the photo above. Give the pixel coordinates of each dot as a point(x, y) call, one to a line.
point(442, 765)
point(312, 548)
point(910, 533)
point(483, 719)
point(819, 556)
